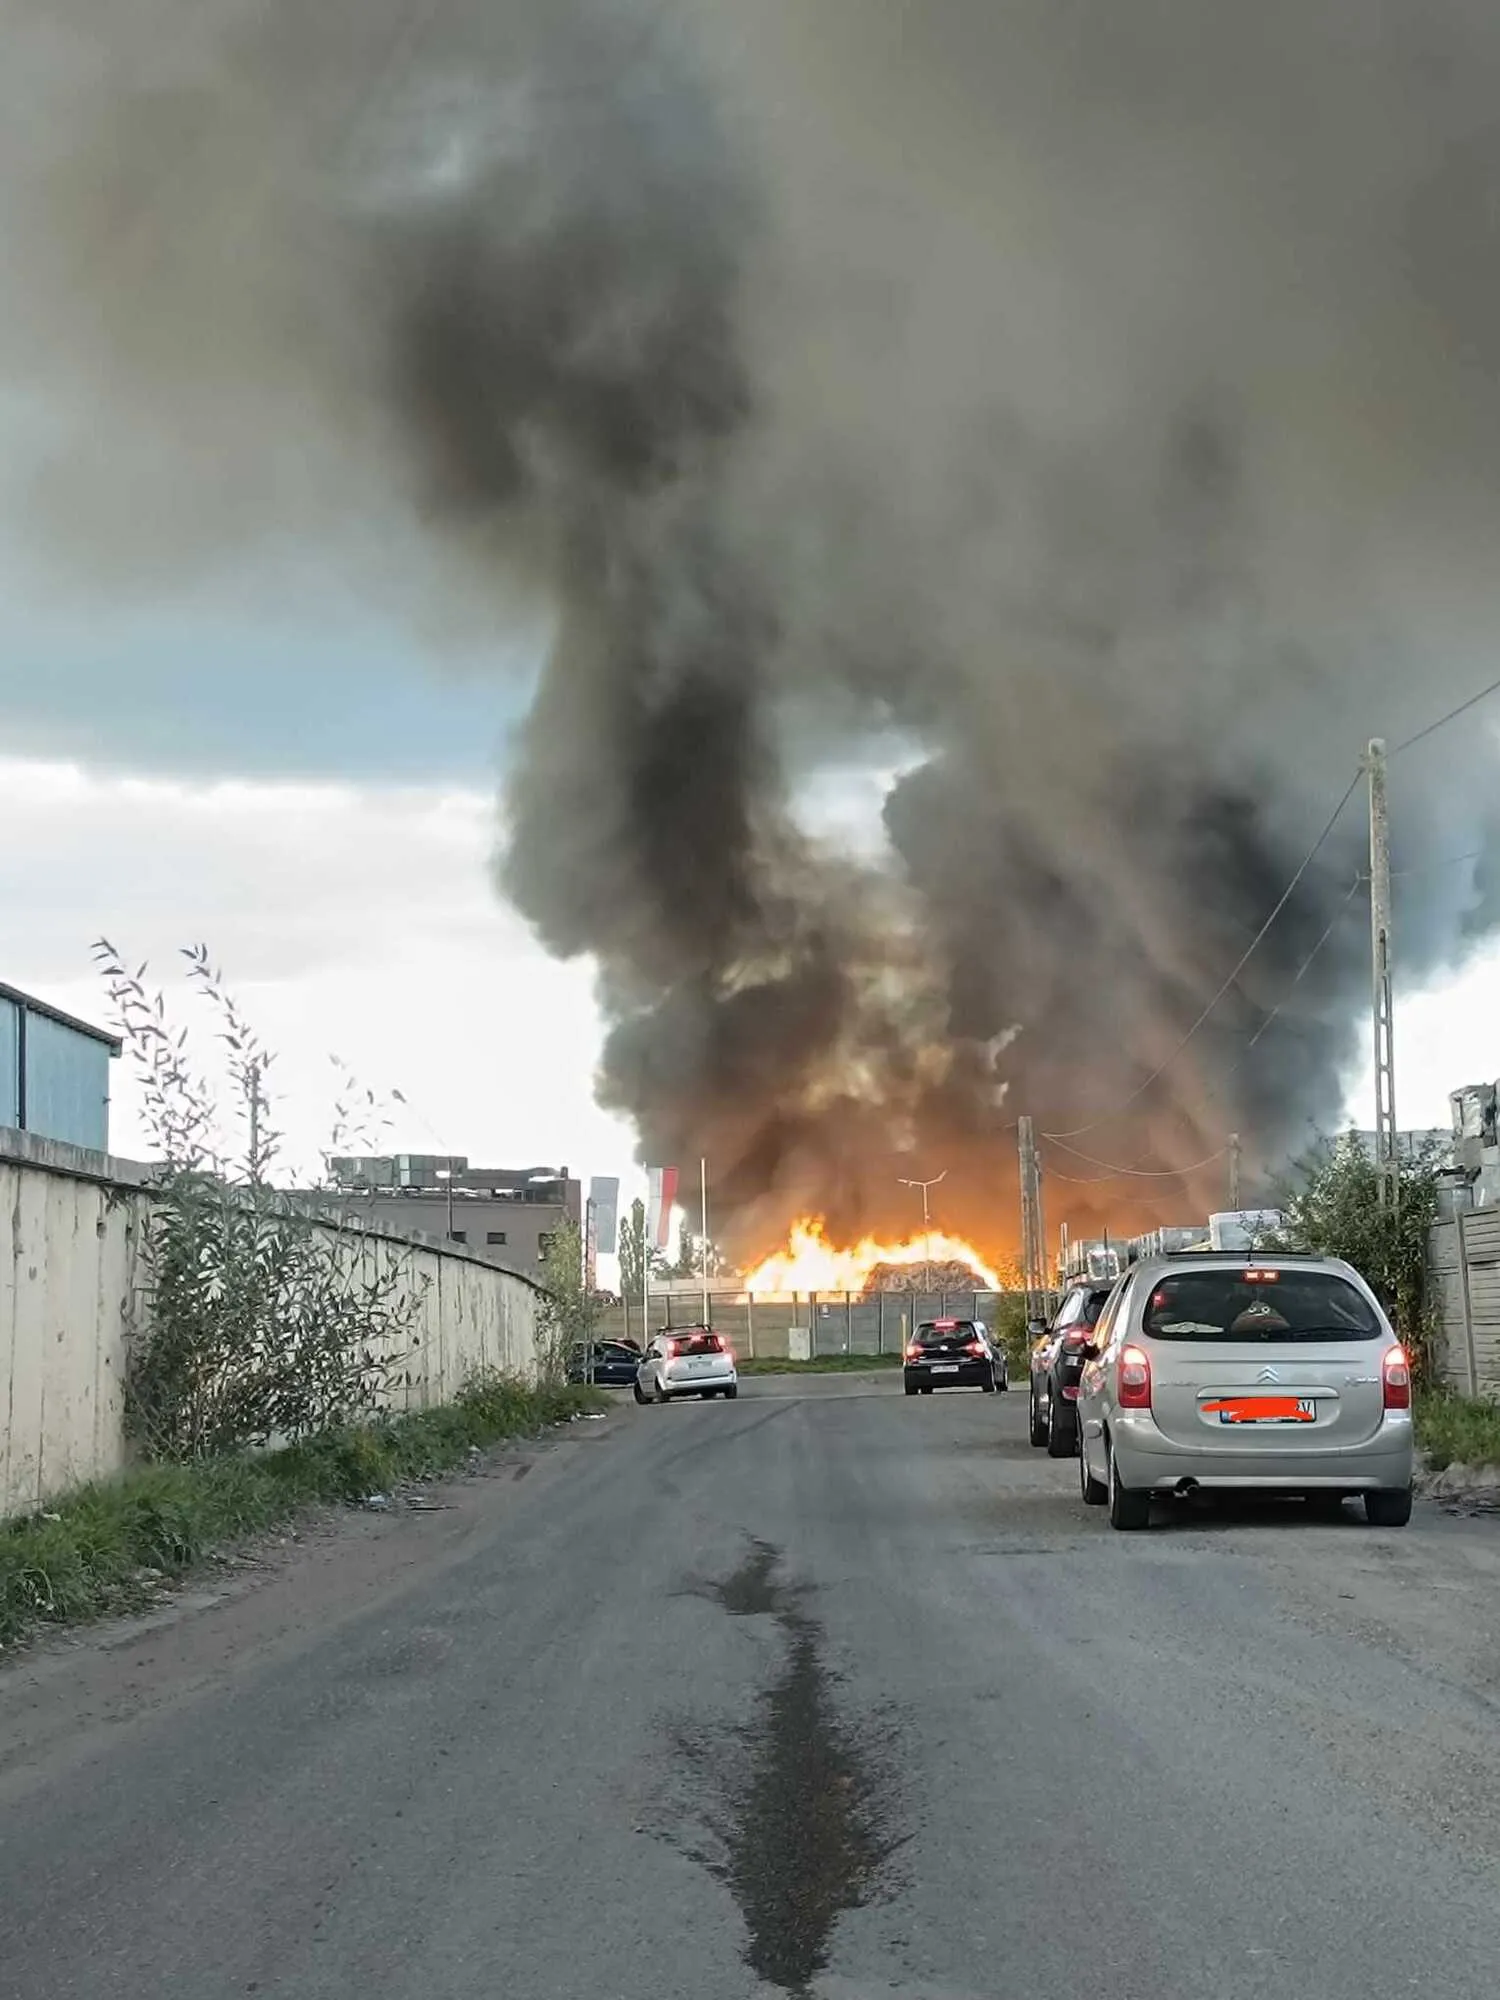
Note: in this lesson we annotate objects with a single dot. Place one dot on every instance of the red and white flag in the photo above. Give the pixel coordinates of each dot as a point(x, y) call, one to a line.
point(661, 1199)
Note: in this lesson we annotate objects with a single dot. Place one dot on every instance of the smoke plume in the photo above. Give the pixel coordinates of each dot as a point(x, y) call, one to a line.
point(1088, 413)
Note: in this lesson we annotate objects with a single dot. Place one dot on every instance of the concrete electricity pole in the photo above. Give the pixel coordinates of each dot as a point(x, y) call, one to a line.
point(1033, 1229)
point(1234, 1170)
point(924, 1186)
point(1380, 966)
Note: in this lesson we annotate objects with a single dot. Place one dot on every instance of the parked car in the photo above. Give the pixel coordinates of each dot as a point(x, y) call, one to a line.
point(1056, 1366)
point(615, 1364)
point(1231, 1373)
point(686, 1361)
point(954, 1354)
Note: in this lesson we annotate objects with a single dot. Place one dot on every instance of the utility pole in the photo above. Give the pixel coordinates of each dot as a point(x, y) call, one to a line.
point(703, 1218)
point(1234, 1170)
point(1380, 967)
point(927, 1223)
point(1033, 1229)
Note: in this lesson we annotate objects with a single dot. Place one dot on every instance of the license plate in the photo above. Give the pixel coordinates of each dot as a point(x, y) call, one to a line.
point(1266, 1410)
point(945, 1368)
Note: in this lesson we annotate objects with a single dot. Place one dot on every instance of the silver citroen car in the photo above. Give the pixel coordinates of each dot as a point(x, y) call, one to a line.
point(1249, 1373)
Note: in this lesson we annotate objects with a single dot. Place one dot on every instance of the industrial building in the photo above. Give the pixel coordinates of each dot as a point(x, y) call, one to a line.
point(54, 1072)
point(504, 1215)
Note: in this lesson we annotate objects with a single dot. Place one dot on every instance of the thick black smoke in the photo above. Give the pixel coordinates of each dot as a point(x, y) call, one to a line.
point(1098, 404)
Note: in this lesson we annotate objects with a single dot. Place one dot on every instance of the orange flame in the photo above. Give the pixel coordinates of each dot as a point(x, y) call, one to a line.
point(810, 1263)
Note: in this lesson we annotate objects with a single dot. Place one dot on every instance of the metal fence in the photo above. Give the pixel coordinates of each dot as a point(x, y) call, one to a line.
point(760, 1325)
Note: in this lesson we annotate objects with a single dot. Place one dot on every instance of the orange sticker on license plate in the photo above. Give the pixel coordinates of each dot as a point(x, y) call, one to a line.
point(1263, 1410)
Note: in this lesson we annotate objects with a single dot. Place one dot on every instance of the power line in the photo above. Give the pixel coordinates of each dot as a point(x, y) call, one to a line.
point(1430, 867)
point(1354, 887)
point(1138, 1173)
point(1452, 716)
point(1079, 1131)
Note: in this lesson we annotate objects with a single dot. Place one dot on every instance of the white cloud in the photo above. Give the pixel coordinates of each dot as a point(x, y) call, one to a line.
point(359, 921)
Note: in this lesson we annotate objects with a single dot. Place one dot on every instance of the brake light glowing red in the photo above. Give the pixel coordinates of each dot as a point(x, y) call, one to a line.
point(976, 1347)
point(1133, 1379)
point(944, 1325)
point(914, 1352)
point(1395, 1376)
point(673, 1350)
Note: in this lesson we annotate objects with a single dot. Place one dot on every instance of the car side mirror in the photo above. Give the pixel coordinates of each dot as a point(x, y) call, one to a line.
point(1036, 1328)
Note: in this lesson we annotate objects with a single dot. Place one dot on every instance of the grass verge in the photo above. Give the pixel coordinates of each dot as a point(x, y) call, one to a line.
point(1457, 1430)
point(98, 1550)
point(824, 1364)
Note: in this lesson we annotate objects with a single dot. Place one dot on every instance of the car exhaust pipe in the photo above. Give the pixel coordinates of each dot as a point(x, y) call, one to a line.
point(1186, 1485)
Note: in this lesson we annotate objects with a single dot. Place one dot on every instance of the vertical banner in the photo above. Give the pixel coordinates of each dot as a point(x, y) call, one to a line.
point(661, 1200)
point(604, 1198)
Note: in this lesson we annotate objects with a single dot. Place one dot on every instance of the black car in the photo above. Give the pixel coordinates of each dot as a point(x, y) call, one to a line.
point(615, 1364)
point(1057, 1363)
point(953, 1354)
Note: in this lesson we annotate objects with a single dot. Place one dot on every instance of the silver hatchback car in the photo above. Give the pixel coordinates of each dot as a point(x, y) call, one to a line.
point(1259, 1373)
point(686, 1361)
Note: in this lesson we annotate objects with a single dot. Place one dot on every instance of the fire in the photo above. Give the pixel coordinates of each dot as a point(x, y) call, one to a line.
point(810, 1263)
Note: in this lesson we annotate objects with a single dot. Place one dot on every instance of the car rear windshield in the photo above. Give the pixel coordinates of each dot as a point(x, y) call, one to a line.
point(697, 1343)
point(1262, 1303)
point(934, 1335)
point(1084, 1310)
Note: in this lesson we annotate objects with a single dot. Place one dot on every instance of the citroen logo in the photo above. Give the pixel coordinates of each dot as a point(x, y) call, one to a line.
point(1268, 1375)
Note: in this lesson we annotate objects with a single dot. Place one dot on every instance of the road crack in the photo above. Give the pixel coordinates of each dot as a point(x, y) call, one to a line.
point(804, 1827)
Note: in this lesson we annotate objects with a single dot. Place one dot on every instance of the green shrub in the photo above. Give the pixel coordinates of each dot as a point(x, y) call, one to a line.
point(86, 1556)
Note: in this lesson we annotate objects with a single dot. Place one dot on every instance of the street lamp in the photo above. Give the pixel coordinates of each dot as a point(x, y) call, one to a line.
point(445, 1175)
point(923, 1186)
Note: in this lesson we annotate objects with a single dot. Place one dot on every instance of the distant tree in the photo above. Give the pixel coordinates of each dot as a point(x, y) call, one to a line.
point(633, 1252)
point(687, 1265)
point(568, 1314)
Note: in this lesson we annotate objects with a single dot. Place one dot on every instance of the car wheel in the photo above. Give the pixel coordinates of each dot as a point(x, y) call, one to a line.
point(1128, 1509)
point(1062, 1432)
point(1388, 1509)
point(1094, 1494)
point(658, 1393)
point(910, 1388)
point(1003, 1385)
point(1038, 1423)
point(990, 1386)
point(927, 1389)
point(732, 1391)
point(640, 1395)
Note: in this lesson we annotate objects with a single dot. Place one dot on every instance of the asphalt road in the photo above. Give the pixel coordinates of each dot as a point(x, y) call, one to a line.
point(825, 1692)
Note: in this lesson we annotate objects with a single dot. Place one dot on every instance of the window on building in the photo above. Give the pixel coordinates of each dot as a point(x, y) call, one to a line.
point(493, 1236)
point(458, 1236)
point(544, 1242)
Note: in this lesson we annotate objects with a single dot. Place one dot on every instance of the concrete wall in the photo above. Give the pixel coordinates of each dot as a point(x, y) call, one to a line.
point(1463, 1258)
point(72, 1225)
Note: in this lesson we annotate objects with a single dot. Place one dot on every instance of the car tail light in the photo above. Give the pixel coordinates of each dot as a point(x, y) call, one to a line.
point(914, 1352)
point(1395, 1376)
point(975, 1347)
point(944, 1325)
point(673, 1350)
point(1133, 1379)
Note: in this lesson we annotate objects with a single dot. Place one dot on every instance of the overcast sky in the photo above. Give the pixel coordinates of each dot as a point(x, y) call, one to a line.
point(314, 797)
